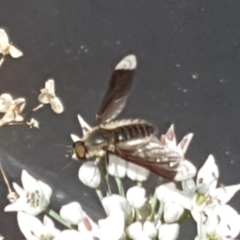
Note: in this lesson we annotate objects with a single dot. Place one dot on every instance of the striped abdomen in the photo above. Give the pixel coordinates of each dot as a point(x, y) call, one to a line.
point(132, 131)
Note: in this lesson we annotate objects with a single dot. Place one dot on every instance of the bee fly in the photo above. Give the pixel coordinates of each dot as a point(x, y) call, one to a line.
point(131, 139)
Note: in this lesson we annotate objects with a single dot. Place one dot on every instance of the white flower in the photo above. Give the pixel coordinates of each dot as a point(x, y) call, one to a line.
point(117, 167)
point(33, 123)
point(33, 229)
point(116, 203)
point(168, 231)
point(34, 197)
point(7, 48)
point(137, 173)
point(89, 175)
point(48, 96)
point(169, 140)
point(138, 230)
point(12, 108)
point(222, 222)
point(72, 213)
point(202, 195)
point(5, 102)
point(136, 196)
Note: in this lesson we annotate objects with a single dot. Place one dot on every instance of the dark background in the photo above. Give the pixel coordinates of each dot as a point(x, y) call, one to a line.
point(188, 74)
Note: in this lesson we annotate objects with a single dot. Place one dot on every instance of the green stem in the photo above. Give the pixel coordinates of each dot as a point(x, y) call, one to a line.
point(109, 191)
point(153, 206)
point(139, 184)
point(120, 186)
point(99, 194)
point(58, 218)
point(160, 212)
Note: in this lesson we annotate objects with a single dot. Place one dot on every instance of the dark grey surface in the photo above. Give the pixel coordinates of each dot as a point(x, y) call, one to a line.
point(79, 42)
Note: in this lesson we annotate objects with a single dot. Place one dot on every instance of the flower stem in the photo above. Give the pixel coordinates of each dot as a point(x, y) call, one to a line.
point(99, 194)
point(120, 186)
point(58, 218)
point(139, 184)
point(153, 206)
point(160, 212)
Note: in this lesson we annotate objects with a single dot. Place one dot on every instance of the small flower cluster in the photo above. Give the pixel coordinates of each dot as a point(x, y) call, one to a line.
point(131, 214)
point(12, 109)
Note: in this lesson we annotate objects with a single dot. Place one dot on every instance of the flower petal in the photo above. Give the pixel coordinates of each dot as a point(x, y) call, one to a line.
point(116, 203)
point(166, 194)
point(168, 231)
point(72, 213)
point(185, 170)
point(50, 86)
point(112, 227)
point(117, 167)
point(184, 143)
point(189, 187)
point(30, 226)
point(56, 105)
point(29, 183)
point(134, 230)
point(4, 41)
point(149, 229)
point(224, 194)
point(46, 190)
point(15, 52)
point(207, 177)
point(172, 212)
point(89, 175)
point(136, 196)
point(137, 173)
point(83, 124)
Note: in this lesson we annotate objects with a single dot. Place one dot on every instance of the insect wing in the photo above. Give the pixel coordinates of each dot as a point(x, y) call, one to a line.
point(114, 99)
point(154, 157)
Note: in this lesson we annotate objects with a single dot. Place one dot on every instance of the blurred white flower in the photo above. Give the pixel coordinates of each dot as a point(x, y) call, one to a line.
point(144, 231)
point(221, 222)
point(168, 231)
point(136, 196)
point(7, 48)
point(48, 96)
point(33, 229)
point(72, 213)
point(89, 175)
point(137, 173)
point(117, 167)
point(34, 197)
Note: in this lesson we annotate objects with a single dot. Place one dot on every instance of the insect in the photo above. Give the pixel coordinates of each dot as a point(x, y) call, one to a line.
point(133, 140)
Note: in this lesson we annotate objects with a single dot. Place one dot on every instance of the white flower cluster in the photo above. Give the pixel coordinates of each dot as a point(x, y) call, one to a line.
point(133, 215)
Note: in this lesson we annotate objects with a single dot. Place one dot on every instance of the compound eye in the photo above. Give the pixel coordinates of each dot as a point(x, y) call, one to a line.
point(80, 150)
